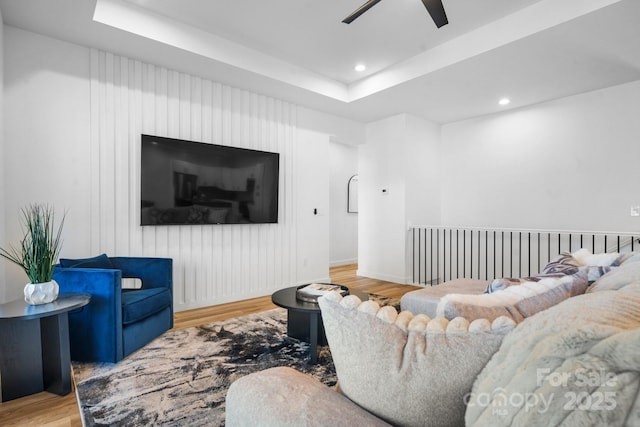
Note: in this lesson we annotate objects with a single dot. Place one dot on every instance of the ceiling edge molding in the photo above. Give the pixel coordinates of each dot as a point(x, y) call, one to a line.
point(524, 23)
point(139, 21)
point(517, 26)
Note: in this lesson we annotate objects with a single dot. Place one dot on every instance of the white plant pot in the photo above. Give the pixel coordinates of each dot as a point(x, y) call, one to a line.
point(41, 293)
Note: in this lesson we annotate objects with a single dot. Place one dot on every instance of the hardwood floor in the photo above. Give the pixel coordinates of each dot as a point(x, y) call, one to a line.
point(50, 410)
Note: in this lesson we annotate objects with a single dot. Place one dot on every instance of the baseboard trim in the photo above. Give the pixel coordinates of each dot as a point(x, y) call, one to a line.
point(341, 262)
point(386, 277)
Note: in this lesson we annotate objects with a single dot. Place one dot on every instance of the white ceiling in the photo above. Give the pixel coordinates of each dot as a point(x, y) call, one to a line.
point(298, 50)
point(310, 34)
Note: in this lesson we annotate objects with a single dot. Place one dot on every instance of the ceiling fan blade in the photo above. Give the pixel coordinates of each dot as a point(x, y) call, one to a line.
point(362, 9)
point(436, 10)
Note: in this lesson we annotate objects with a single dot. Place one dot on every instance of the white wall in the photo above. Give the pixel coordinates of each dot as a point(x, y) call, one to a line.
point(423, 171)
point(3, 278)
point(567, 164)
point(343, 164)
point(346, 134)
point(81, 111)
point(313, 204)
point(381, 215)
point(423, 180)
point(340, 129)
point(401, 157)
point(46, 139)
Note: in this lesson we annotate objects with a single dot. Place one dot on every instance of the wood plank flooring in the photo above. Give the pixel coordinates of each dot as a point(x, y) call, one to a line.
point(50, 410)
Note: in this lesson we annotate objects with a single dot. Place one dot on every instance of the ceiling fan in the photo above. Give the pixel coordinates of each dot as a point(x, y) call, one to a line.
point(434, 7)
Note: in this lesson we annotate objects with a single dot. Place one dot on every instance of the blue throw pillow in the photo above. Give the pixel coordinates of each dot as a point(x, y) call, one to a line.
point(100, 261)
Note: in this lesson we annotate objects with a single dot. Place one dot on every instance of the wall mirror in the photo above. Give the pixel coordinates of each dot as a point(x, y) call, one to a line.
point(352, 194)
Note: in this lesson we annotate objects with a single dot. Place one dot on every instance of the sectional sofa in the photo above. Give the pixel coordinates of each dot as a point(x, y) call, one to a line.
point(562, 348)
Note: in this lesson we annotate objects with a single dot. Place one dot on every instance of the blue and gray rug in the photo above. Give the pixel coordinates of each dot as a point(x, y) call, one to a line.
point(181, 378)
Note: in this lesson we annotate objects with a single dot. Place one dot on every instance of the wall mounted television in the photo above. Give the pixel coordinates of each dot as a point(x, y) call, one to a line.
point(188, 182)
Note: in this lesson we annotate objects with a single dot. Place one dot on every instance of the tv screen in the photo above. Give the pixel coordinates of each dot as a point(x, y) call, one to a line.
point(187, 182)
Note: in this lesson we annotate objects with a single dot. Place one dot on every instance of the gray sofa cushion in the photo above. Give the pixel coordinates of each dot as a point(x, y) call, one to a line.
point(426, 300)
point(408, 370)
point(280, 397)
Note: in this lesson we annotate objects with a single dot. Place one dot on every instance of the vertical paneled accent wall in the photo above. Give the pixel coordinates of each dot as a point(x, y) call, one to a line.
point(212, 263)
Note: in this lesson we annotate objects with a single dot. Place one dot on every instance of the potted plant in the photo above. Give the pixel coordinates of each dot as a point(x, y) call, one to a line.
point(38, 253)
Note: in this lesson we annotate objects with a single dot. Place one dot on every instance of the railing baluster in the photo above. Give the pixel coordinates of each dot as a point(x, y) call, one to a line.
point(529, 254)
point(431, 257)
point(457, 253)
point(486, 254)
point(494, 254)
point(423, 260)
point(511, 254)
point(538, 252)
point(479, 254)
point(502, 255)
point(417, 258)
point(444, 255)
point(471, 255)
point(450, 254)
point(520, 254)
point(464, 253)
point(438, 255)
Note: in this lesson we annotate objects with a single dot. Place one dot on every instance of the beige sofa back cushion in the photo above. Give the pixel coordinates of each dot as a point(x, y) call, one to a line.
point(408, 370)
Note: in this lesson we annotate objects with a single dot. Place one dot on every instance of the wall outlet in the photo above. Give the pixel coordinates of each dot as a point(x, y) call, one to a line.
point(635, 210)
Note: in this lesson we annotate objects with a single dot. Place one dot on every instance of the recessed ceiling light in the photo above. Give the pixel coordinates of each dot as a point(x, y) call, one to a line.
point(360, 67)
point(504, 101)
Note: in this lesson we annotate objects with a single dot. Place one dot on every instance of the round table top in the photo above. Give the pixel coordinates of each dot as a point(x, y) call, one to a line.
point(286, 298)
point(19, 309)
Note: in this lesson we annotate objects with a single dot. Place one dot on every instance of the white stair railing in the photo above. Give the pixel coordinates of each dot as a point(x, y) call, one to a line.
point(442, 253)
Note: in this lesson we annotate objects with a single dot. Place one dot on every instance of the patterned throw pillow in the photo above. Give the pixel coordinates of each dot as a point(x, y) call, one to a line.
point(408, 370)
point(599, 264)
point(504, 282)
point(564, 263)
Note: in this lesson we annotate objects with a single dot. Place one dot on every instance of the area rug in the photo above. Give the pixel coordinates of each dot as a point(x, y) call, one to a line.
point(181, 378)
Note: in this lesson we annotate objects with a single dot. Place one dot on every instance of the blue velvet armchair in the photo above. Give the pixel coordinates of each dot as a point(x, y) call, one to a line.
point(117, 321)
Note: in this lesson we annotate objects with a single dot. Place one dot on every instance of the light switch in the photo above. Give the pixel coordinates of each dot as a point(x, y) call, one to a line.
point(635, 210)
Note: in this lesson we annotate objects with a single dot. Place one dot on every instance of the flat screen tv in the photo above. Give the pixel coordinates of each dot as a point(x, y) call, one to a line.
point(187, 182)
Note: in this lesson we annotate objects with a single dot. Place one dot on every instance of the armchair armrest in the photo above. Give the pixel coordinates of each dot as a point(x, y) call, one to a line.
point(285, 397)
point(154, 272)
point(95, 330)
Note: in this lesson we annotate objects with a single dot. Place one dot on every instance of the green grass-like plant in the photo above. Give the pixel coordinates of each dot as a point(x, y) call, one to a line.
point(40, 247)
